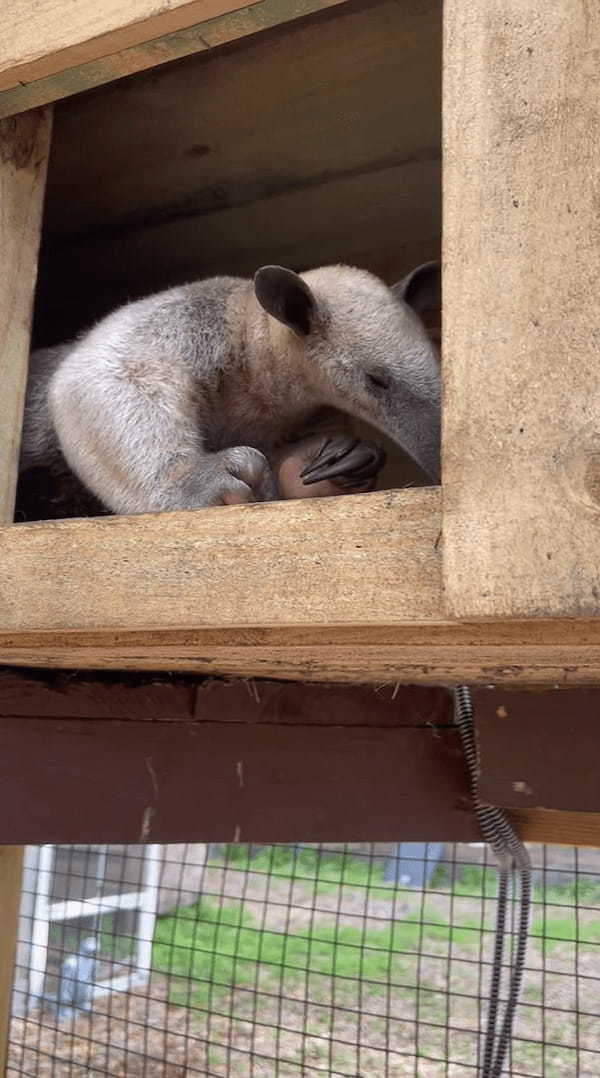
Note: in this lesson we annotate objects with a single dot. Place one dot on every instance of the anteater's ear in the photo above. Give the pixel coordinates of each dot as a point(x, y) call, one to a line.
point(286, 297)
point(421, 288)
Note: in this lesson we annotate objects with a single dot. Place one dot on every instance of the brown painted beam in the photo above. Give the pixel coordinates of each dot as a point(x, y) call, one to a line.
point(183, 759)
point(120, 781)
point(540, 749)
point(110, 757)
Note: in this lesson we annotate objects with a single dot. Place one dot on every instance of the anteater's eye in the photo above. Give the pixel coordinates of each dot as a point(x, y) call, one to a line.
point(378, 380)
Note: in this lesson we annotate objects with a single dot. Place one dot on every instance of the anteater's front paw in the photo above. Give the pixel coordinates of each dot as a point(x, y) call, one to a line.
point(242, 474)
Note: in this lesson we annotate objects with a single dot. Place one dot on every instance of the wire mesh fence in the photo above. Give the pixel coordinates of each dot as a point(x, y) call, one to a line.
point(295, 961)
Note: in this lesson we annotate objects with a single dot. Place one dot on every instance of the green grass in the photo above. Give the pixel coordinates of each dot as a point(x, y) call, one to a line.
point(552, 931)
point(224, 946)
point(214, 948)
point(325, 873)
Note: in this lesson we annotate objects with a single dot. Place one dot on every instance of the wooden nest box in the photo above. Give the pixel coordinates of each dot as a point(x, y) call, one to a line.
point(305, 132)
point(319, 139)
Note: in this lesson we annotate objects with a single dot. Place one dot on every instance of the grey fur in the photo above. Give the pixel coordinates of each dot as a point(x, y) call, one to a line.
point(177, 400)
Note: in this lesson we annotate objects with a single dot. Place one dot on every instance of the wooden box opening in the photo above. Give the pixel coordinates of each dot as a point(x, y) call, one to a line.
point(313, 143)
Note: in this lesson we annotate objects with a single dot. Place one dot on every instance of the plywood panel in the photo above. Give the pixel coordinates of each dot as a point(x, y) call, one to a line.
point(275, 115)
point(521, 293)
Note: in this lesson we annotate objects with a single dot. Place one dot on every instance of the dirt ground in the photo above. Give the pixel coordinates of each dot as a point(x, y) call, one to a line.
point(329, 1026)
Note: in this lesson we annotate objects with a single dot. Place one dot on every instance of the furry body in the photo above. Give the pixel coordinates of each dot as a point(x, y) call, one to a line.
point(185, 398)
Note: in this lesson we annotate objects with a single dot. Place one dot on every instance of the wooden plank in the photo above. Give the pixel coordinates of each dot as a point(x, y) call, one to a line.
point(203, 143)
point(24, 147)
point(11, 870)
point(361, 560)
point(226, 181)
point(23, 158)
point(244, 782)
point(521, 284)
point(59, 694)
point(195, 38)
point(557, 828)
point(523, 653)
point(42, 38)
point(317, 763)
point(345, 590)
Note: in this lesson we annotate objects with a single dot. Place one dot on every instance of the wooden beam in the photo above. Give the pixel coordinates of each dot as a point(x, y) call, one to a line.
point(24, 147)
point(539, 758)
point(358, 560)
point(345, 589)
point(192, 759)
point(126, 49)
point(239, 762)
point(11, 871)
point(522, 270)
point(59, 694)
point(540, 749)
point(23, 158)
point(41, 39)
point(557, 828)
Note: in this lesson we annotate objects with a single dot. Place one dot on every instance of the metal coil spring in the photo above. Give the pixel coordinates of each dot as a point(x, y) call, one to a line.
point(513, 861)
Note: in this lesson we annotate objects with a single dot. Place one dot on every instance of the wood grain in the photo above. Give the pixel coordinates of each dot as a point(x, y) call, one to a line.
point(362, 560)
point(557, 828)
point(153, 53)
point(343, 590)
point(41, 37)
point(316, 762)
point(24, 144)
point(521, 287)
point(24, 148)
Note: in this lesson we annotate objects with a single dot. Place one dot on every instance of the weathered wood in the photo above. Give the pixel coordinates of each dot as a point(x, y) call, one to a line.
point(226, 180)
point(557, 828)
point(43, 38)
point(364, 559)
point(238, 22)
point(434, 653)
point(521, 286)
point(24, 146)
point(11, 869)
point(345, 590)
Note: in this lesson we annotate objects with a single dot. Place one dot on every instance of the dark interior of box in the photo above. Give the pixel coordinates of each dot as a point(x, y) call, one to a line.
point(316, 143)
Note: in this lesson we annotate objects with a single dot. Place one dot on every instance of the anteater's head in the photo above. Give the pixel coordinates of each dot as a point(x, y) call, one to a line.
point(367, 346)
